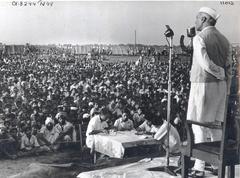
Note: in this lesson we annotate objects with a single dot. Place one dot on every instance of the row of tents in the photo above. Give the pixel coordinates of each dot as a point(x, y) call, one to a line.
point(85, 49)
point(119, 49)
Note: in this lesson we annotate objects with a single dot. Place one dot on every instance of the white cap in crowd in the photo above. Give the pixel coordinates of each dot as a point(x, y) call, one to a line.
point(90, 104)
point(49, 120)
point(86, 115)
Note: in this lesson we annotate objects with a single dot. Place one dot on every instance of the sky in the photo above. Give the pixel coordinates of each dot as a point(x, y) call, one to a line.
point(110, 22)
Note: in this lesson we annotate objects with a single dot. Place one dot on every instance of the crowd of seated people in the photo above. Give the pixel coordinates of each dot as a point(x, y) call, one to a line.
point(45, 96)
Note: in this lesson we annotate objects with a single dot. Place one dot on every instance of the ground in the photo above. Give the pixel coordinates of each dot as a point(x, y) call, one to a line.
point(82, 162)
point(12, 167)
point(70, 163)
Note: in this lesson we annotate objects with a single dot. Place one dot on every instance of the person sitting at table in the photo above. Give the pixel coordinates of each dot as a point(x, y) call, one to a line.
point(150, 125)
point(174, 138)
point(146, 126)
point(124, 122)
point(94, 110)
point(97, 125)
point(138, 117)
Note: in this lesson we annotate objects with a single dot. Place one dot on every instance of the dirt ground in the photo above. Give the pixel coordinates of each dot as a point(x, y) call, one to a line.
point(12, 167)
point(82, 160)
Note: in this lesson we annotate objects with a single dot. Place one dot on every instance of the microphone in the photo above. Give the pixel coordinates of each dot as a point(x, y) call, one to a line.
point(191, 32)
point(168, 32)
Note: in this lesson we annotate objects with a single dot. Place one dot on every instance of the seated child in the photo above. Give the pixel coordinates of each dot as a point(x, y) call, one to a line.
point(29, 142)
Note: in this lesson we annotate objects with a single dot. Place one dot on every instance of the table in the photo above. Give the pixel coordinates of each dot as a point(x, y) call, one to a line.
point(114, 144)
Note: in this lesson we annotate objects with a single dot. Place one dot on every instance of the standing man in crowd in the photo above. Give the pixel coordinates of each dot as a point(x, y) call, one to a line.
point(210, 79)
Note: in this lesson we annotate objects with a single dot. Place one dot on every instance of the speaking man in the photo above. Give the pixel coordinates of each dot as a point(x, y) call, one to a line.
point(210, 79)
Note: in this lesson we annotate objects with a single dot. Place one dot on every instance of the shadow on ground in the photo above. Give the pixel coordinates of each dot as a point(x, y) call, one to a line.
point(67, 164)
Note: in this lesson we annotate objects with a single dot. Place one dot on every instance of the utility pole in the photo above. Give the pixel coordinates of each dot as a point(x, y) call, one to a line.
point(135, 42)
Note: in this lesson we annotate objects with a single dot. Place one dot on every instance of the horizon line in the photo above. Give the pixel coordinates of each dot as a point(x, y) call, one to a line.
point(84, 44)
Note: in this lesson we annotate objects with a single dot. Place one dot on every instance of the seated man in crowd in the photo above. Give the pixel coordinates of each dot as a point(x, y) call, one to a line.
point(29, 142)
point(48, 134)
point(138, 117)
point(94, 110)
point(59, 111)
point(64, 130)
point(15, 134)
point(97, 125)
point(7, 144)
point(124, 122)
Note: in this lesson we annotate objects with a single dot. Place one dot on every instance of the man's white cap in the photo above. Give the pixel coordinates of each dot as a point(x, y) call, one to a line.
point(86, 115)
point(210, 11)
point(73, 108)
point(90, 104)
point(48, 120)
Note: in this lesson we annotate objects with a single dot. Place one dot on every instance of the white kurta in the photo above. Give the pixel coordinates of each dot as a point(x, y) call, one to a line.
point(207, 100)
point(174, 138)
point(94, 124)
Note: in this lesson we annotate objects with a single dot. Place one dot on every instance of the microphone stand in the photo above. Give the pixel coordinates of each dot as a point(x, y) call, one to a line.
point(168, 169)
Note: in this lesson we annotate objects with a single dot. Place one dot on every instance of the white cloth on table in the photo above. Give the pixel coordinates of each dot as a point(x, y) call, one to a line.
point(115, 144)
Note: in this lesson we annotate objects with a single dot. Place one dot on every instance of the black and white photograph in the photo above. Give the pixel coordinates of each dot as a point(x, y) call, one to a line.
point(119, 89)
